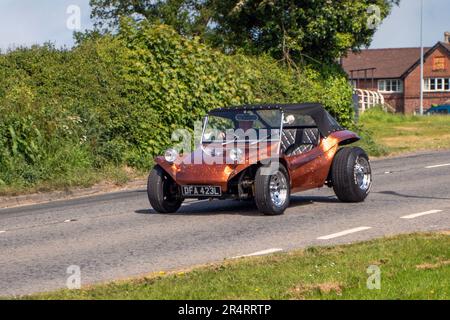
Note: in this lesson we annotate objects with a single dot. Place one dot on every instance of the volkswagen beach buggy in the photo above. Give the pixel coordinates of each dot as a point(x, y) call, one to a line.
point(263, 153)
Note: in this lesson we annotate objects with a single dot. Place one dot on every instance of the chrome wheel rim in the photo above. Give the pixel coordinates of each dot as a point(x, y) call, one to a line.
point(363, 173)
point(278, 189)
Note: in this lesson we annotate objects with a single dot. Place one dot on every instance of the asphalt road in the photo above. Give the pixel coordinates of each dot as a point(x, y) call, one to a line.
point(116, 235)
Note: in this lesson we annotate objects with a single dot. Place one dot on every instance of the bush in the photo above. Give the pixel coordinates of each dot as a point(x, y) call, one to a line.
point(55, 108)
point(115, 100)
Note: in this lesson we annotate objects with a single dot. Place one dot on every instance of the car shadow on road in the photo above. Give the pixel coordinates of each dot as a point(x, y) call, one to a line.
point(234, 207)
point(393, 193)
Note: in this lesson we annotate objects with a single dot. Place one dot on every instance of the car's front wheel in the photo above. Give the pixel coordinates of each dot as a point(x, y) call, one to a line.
point(272, 190)
point(163, 192)
point(351, 175)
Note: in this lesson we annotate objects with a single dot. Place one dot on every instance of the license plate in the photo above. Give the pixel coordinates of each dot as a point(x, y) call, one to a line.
point(201, 191)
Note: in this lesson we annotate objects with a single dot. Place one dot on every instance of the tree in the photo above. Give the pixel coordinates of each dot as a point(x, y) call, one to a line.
point(188, 17)
point(294, 29)
point(291, 30)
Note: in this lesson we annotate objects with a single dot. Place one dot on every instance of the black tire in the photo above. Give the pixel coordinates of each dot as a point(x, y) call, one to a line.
point(162, 191)
point(349, 182)
point(263, 198)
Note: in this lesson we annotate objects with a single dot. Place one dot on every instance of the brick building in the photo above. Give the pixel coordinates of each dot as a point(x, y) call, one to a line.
point(396, 74)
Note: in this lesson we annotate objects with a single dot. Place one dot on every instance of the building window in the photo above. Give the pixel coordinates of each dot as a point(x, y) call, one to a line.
point(390, 85)
point(437, 84)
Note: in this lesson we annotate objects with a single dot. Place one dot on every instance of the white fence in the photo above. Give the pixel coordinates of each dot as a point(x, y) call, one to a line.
point(369, 99)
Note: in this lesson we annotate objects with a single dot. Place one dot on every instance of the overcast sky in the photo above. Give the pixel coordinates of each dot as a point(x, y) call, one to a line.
point(27, 22)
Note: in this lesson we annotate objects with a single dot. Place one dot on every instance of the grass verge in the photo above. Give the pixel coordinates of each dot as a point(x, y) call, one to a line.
point(412, 267)
point(397, 134)
point(79, 178)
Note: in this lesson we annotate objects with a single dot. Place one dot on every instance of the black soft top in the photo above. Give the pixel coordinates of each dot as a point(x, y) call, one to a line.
point(325, 122)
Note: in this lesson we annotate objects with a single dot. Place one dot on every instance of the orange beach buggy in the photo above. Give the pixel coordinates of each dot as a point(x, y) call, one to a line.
point(263, 153)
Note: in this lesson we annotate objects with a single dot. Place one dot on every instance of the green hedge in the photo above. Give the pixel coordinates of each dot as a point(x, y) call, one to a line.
point(114, 100)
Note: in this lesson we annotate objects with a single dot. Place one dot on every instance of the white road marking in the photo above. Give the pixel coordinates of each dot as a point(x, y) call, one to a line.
point(259, 253)
point(415, 215)
point(2, 232)
point(343, 233)
point(438, 166)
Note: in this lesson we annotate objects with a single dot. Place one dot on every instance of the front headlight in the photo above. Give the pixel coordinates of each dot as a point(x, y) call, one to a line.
point(236, 154)
point(171, 155)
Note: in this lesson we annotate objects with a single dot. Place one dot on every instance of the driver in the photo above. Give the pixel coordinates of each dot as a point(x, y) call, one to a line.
point(289, 120)
point(246, 125)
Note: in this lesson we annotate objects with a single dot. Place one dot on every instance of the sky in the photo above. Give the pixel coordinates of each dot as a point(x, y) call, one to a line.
point(402, 27)
point(28, 22)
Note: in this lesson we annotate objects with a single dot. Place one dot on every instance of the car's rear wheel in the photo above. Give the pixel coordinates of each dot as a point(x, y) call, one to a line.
point(272, 190)
point(351, 175)
point(163, 193)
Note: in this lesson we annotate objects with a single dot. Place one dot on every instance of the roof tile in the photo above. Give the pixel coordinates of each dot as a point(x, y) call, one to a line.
point(388, 63)
point(446, 45)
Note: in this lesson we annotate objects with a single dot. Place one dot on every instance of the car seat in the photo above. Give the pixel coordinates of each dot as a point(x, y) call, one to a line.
point(298, 141)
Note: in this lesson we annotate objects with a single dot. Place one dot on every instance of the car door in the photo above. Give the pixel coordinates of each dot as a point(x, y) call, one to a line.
point(307, 161)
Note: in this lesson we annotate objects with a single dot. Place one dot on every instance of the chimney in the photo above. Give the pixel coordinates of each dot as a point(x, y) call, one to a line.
point(447, 37)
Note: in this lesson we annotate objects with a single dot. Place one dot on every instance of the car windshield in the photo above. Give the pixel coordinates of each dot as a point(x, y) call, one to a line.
point(242, 125)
